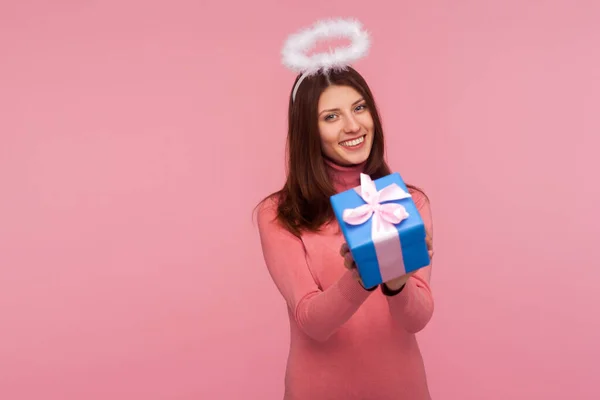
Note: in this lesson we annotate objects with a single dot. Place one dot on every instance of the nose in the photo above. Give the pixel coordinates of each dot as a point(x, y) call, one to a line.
point(351, 124)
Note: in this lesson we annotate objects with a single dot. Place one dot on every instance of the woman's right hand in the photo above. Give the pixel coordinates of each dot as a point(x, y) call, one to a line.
point(349, 262)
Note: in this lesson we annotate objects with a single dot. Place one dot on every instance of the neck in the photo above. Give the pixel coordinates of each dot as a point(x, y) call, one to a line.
point(344, 177)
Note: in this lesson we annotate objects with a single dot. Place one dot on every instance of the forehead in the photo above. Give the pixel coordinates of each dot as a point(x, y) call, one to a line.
point(338, 97)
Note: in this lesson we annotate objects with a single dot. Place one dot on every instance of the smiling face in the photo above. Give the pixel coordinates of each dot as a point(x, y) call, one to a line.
point(345, 125)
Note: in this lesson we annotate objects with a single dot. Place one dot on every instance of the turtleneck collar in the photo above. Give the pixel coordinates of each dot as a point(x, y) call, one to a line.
point(344, 177)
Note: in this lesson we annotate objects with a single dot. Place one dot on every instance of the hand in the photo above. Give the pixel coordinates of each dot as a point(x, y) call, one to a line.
point(349, 262)
point(393, 284)
point(397, 283)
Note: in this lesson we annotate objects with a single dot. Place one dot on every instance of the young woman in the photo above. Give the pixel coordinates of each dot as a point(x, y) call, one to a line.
point(347, 342)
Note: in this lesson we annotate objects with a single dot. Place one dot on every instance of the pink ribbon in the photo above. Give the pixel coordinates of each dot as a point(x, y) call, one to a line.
point(385, 216)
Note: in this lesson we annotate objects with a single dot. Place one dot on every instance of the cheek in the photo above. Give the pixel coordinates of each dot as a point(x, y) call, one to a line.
point(328, 137)
point(367, 121)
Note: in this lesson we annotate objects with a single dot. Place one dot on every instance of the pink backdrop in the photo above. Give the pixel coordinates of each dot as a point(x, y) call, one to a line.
point(130, 269)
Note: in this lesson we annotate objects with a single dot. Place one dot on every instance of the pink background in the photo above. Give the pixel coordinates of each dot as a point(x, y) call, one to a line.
point(130, 269)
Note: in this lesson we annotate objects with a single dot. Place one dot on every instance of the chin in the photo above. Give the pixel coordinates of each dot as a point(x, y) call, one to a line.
point(353, 159)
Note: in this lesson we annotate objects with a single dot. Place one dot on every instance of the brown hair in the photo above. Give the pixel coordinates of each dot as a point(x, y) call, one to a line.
point(303, 202)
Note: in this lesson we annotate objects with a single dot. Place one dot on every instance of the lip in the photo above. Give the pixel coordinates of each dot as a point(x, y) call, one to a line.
point(359, 146)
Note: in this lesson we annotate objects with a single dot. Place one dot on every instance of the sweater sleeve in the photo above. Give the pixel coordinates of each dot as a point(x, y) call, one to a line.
point(412, 308)
point(319, 313)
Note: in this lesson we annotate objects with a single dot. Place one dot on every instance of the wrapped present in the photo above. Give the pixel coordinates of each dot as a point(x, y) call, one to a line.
point(382, 227)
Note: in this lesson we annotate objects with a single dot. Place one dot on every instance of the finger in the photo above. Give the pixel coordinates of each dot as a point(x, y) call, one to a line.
point(429, 242)
point(349, 263)
point(348, 256)
point(344, 249)
point(346, 265)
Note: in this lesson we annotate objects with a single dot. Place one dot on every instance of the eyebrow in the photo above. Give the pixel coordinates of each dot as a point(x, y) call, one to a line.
point(337, 109)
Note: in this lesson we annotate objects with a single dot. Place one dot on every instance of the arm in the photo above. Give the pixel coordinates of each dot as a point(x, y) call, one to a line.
point(318, 313)
point(411, 305)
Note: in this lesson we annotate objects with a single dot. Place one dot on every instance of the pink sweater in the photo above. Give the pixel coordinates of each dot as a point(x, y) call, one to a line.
point(346, 342)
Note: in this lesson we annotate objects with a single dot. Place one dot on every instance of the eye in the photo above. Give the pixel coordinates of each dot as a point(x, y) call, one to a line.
point(361, 107)
point(329, 117)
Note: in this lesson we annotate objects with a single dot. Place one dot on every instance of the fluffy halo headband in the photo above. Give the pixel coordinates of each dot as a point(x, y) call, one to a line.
point(294, 51)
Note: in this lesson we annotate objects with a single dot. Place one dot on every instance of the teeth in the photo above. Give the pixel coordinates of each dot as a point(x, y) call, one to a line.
point(354, 142)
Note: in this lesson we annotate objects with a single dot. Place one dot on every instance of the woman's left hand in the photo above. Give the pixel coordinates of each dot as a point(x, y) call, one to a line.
point(397, 283)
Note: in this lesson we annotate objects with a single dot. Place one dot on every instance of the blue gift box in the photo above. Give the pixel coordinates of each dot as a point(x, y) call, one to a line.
point(411, 248)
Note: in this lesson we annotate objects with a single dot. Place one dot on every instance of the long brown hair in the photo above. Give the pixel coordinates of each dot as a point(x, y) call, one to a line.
point(303, 202)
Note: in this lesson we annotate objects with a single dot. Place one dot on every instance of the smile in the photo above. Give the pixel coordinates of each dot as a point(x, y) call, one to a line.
point(353, 142)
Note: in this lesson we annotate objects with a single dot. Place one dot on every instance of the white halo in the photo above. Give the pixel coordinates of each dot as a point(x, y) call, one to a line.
point(294, 51)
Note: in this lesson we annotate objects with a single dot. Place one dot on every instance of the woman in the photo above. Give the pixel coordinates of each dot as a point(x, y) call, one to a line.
point(347, 342)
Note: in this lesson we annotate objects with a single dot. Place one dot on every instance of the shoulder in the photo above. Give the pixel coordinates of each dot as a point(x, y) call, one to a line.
point(269, 216)
point(419, 197)
point(266, 210)
point(271, 224)
point(422, 203)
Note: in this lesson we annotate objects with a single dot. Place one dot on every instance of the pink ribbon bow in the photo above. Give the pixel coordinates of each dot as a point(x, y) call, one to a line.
point(385, 216)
